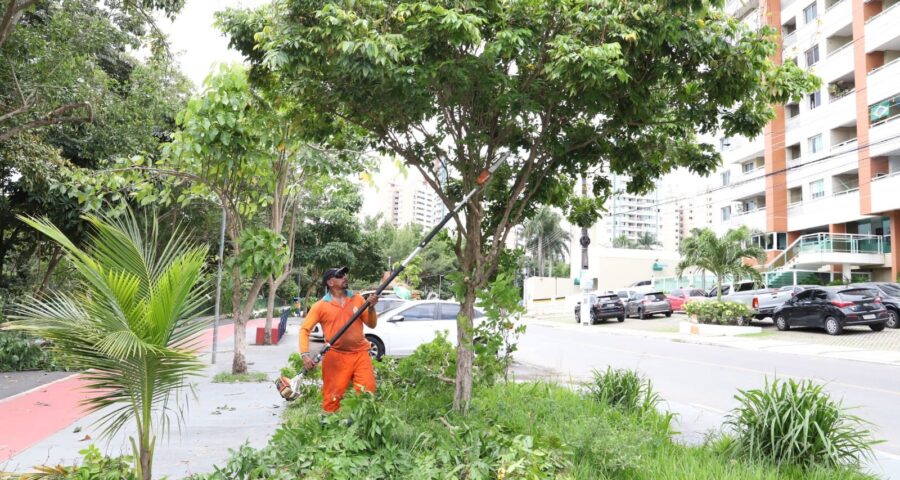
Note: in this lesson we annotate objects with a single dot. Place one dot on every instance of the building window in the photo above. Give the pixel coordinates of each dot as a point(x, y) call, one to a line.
point(815, 99)
point(726, 213)
point(748, 167)
point(726, 178)
point(815, 144)
point(810, 13)
point(812, 56)
point(817, 189)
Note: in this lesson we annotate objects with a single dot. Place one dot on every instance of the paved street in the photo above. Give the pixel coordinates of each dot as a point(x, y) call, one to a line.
point(699, 381)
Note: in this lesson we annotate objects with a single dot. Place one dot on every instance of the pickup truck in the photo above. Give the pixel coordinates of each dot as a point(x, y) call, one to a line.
point(763, 301)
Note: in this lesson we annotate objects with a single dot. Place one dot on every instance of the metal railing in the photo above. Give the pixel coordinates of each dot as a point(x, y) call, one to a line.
point(828, 243)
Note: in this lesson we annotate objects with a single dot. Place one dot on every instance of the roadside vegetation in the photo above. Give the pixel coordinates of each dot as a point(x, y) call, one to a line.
point(249, 377)
point(611, 428)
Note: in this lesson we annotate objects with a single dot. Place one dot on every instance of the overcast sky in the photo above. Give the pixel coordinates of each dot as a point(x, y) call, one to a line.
point(196, 42)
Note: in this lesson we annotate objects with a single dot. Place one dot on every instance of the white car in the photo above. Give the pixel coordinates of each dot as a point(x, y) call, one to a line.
point(401, 330)
point(384, 304)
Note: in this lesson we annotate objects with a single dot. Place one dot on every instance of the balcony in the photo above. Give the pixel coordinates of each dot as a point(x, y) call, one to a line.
point(820, 249)
point(788, 40)
point(884, 193)
point(881, 29)
point(743, 149)
point(753, 219)
point(883, 81)
point(837, 64)
point(813, 213)
point(884, 138)
point(837, 18)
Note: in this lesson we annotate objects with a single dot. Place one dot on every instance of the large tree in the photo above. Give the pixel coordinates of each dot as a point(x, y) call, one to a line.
point(51, 53)
point(553, 87)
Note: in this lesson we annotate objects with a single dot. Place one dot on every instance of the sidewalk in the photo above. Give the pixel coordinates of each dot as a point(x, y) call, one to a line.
point(46, 425)
point(792, 346)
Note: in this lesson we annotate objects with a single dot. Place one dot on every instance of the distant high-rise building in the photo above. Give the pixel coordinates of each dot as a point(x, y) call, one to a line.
point(411, 200)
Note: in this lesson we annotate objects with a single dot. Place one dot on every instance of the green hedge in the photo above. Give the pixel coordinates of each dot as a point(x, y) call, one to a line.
point(718, 313)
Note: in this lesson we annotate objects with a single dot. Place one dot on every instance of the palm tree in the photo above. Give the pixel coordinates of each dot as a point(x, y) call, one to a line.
point(544, 236)
point(647, 241)
point(622, 241)
point(130, 325)
point(725, 256)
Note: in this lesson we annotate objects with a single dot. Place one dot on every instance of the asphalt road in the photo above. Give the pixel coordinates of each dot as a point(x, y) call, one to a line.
point(699, 382)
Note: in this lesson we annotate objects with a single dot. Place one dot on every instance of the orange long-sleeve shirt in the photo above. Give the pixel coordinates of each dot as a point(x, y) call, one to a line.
point(329, 313)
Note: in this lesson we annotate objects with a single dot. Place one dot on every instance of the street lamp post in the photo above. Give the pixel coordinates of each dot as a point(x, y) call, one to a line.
point(585, 312)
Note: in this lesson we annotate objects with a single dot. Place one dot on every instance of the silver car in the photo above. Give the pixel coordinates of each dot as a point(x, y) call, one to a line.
point(644, 305)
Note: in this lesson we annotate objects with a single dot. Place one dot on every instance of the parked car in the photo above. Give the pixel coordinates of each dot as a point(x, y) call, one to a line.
point(680, 296)
point(890, 297)
point(401, 330)
point(603, 307)
point(645, 305)
point(763, 301)
point(833, 309)
point(384, 304)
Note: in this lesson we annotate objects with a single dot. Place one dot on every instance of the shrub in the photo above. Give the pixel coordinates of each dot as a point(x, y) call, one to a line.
point(624, 389)
point(94, 466)
point(718, 313)
point(19, 351)
point(796, 423)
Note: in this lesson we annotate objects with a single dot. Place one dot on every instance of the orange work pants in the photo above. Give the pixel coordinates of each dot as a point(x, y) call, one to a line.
point(339, 369)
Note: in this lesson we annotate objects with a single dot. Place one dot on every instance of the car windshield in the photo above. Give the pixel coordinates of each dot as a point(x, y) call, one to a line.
point(696, 292)
point(858, 294)
point(655, 296)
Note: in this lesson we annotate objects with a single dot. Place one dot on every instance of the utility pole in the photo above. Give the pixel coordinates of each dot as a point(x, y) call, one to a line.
point(215, 339)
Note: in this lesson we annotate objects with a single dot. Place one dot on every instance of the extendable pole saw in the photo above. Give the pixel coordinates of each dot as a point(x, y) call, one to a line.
point(289, 388)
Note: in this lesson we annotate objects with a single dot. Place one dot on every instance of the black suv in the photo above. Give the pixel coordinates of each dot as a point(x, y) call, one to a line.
point(603, 307)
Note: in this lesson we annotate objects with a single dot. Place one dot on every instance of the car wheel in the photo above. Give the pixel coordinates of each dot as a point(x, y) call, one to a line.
point(376, 347)
point(668, 314)
point(833, 326)
point(893, 320)
point(877, 327)
point(621, 319)
point(781, 323)
point(743, 322)
point(641, 314)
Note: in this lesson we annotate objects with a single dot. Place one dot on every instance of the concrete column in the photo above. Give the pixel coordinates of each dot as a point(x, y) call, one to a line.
point(862, 10)
point(895, 244)
point(845, 272)
point(773, 135)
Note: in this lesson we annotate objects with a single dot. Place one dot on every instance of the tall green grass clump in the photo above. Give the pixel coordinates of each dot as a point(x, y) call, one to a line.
point(623, 389)
point(797, 423)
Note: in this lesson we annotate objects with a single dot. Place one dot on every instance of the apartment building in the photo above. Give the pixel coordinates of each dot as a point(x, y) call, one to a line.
point(410, 199)
point(821, 186)
point(629, 216)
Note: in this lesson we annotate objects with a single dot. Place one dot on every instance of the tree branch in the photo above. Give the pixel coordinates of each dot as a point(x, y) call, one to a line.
point(56, 117)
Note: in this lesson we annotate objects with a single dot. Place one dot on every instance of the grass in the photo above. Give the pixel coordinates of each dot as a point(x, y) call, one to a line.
point(535, 430)
point(249, 377)
point(762, 334)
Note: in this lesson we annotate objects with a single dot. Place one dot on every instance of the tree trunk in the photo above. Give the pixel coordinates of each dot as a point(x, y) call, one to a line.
point(239, 364)
point(51, 266)
point(471, 263)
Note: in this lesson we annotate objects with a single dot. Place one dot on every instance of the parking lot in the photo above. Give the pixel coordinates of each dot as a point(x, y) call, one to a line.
point(856, 337)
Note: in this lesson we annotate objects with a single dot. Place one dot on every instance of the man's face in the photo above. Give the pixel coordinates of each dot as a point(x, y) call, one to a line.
point(338, 282)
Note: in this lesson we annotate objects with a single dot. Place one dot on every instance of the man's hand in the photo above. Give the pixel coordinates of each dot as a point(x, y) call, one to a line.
point(309, 362)
point(373, 299)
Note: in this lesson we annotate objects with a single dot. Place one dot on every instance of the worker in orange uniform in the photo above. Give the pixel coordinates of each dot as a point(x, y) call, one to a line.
point(348, 360)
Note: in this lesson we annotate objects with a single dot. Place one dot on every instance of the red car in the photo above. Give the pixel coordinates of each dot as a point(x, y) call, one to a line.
point(680, 296)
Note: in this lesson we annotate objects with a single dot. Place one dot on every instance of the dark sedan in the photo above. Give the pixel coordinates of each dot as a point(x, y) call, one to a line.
point(832, 309)
point(603, 307)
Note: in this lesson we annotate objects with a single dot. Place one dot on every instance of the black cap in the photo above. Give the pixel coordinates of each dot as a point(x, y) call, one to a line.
point(333, 272)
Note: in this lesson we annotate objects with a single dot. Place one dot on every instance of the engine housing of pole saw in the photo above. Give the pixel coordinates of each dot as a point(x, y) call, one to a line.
point(287, 388)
